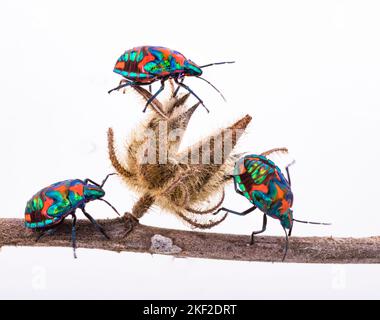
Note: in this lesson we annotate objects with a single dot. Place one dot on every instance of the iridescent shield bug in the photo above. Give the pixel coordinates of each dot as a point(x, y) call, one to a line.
point(147, 64)
point(48, 208)
point(260, 181)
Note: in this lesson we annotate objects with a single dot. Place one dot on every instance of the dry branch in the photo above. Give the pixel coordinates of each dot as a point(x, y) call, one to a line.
point(198, 244)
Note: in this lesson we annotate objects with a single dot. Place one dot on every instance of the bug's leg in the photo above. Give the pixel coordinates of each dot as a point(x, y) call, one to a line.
point(126, 84)
point(122, 81)
point(93, 221)
point(191, 91)
point(155, 95)
point(106, 178)
point(286, 245)
point(73, 234)
point(46, 233)
point(287, 171)
point(86, 181)
point(235, 212)
point(176, 90)
point(49, 232)
point(264, 227)
point(290, 231)
point(150, 88)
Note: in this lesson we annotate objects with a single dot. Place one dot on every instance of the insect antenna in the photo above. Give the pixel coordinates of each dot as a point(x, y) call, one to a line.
point(114, 209)
point(312, 222)
point(213, 87)
point(106, 178)
point(215, 63)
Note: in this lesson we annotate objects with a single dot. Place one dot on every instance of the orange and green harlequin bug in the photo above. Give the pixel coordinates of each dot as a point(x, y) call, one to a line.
point(260, 181)
point(48, 208)
point(147, 64)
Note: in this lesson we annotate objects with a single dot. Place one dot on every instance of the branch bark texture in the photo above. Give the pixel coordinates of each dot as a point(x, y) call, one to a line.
point(207, 245)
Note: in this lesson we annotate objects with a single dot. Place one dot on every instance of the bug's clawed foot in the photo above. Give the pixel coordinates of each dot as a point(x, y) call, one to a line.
point(252, 242)
point(217, 211)
point(105, 234)
point(130, 223)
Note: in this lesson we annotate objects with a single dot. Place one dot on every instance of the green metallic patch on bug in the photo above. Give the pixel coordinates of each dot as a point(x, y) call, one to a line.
point(260, 179)
point(246, 194)
point(126, 56)
point(37, 204)
point(242, 187)
point(75, 198)
point(260, 174)
point(132, 56)
point(93, 193)
point(238, 179)
point(197, 70)
point(140, 56)
point(149, 66)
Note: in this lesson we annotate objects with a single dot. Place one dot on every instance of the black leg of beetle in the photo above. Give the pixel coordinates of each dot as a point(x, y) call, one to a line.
point(287, 172)
point(236, 188)
point(74, 235)
point(290, 231)
point(123, 86)
point(264, 227)
point(155, 95)
point(150, 88)
point(191, 91)
point(86, 181)
point(46, 233)
point(286, 245)
point(97, 226)
point(106, 178)
point(49, 232)
point(176, 90)
point(236, 212)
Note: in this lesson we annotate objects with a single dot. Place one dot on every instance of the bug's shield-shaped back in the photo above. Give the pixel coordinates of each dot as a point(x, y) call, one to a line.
point(35, 214)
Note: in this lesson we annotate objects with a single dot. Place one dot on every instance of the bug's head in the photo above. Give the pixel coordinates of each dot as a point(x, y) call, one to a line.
point(192, 69)
point(240, 167)
point(93, 192)
point(287, 219)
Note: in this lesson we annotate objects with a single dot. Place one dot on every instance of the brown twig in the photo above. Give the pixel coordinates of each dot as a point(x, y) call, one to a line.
point(198, 244)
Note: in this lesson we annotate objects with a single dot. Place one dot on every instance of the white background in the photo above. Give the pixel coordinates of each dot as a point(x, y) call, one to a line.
point(307, 71)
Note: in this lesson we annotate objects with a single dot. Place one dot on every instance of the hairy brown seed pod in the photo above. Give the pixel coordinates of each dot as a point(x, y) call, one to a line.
point(180, 183)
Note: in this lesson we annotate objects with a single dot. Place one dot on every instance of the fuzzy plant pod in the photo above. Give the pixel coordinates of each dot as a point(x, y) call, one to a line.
point(183, 183)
